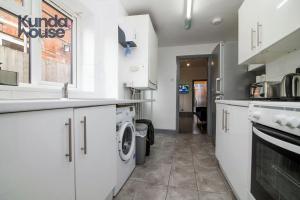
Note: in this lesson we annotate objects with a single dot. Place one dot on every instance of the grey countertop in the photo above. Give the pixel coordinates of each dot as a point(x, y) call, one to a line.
point(10, 106)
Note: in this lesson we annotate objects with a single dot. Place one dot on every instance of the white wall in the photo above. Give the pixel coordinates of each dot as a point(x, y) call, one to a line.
point(276, 70)
point(107, 14)
point(164, 107)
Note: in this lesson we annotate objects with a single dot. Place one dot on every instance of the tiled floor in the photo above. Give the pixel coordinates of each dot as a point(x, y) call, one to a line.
point(180, 167)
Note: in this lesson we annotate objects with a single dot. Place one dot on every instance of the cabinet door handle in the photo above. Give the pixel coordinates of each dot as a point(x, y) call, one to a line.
point(84, 148)
point(218, 86)
point(252, 39)
point(226, 124)
point(259, 33)
point(69, 124)
point(223, 119)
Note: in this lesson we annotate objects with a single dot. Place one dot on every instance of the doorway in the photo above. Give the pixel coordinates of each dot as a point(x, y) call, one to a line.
point(200, 104)
point(192, 94)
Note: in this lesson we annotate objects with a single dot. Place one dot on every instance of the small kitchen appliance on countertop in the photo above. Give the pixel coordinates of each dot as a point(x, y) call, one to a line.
point(265, 90)
point(290, 86)
point(8, 77)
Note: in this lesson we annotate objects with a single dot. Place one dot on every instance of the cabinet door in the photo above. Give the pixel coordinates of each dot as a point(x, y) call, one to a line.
point(95, 167)
point(220, 137)
point(278, 19)
point(238, 158)
point(33, 148)
point(152, 54)
point(247, 30)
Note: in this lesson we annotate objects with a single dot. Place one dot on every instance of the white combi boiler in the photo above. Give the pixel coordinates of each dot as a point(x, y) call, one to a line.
point(125, 137)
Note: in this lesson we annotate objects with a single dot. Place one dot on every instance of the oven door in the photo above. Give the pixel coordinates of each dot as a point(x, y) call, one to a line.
point(275, 173)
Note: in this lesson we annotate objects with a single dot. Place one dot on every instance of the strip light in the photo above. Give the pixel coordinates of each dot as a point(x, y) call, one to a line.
point(188, 19)
point(189, 4)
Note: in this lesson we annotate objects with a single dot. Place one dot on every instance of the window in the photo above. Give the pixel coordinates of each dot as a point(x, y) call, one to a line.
point(14, 50)
point(57, 53)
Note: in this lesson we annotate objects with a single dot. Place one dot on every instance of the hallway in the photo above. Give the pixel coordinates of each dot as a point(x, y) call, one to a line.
point(188, 123)
point(180, 167)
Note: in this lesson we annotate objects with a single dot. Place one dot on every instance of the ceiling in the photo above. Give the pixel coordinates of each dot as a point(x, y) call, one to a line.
point(168, 19)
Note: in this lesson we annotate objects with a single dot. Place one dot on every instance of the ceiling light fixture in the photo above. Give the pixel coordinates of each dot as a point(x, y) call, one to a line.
point(217, 21)
point(188, 18)
point(281, 4)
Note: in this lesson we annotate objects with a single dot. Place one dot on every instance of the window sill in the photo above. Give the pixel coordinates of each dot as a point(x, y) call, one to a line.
point(26, 91)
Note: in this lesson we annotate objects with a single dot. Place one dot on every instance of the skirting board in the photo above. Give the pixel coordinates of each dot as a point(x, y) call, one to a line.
point(167, 131)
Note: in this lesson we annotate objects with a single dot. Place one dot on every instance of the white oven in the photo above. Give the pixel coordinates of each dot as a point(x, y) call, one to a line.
point(275, 164)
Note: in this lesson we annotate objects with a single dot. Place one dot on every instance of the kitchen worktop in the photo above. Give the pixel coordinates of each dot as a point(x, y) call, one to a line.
point(9, 106)
point(243, 103)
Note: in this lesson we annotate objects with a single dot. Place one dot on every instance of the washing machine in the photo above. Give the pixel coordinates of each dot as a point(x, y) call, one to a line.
point(125, 137)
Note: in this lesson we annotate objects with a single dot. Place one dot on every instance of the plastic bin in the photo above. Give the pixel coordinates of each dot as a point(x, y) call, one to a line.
point(141, 138)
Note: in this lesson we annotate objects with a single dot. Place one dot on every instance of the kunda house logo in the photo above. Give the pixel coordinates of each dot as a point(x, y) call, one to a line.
point(53, 27)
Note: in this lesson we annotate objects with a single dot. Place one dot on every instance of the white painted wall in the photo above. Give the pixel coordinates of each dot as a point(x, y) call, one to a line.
point(107, 14)
point(164, 107)
point(276, 70)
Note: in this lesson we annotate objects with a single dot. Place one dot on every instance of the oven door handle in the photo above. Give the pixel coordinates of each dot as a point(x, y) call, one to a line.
point(280, 143)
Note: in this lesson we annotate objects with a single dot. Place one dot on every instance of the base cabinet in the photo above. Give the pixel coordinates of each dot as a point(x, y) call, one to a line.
point(95, 146)
point(33, 148)
point(58, 154)
point(233, 146)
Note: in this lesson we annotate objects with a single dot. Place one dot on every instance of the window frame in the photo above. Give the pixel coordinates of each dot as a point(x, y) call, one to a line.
point(35, 77)
point(69, 13)
point(16, 9)
point(29, 50)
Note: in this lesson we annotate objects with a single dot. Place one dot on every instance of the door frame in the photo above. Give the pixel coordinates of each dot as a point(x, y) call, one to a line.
point(193, 90)
point(178, 59)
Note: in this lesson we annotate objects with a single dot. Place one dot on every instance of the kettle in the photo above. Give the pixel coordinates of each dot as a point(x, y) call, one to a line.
point(290, 86)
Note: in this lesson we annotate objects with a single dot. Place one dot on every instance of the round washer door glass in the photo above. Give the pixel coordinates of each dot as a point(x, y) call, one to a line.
point(127, 140)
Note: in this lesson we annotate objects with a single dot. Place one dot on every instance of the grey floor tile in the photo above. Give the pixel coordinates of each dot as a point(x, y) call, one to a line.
point(211, 181)
point(151, 194)
point(215, 196)
point(160, 157)
point(204, 160)
point(154, 173)
point(180, 167)
point(183, 177)
point(138, 190)
point(182, 194)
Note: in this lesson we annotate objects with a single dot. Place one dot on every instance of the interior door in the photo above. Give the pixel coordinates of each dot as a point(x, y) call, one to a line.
point(33, 148)
point(95, 150)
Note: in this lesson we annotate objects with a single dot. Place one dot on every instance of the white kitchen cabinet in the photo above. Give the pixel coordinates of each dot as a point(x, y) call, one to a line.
point(220, 133)
point(268, 29)
point(95, 152)
point(278, 18)
point(247, 30)
point(33, 148)
point(141, 64)
point(233, 146)
point(58, 154)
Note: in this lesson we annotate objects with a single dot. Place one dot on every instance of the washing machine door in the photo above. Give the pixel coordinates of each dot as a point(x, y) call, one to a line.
point(126, 143)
